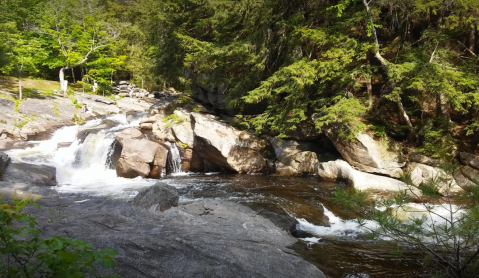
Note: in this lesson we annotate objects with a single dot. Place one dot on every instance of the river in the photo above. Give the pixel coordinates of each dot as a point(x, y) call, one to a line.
point(333, 243)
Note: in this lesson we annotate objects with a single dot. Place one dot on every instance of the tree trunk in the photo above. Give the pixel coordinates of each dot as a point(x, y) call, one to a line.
point(73, 76)
point(472, 39)
point(20, 82)
point(369, 85)
point(20, 87)
point(63, 82)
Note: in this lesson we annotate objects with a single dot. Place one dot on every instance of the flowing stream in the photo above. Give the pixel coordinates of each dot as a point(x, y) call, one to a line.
point(84, 167)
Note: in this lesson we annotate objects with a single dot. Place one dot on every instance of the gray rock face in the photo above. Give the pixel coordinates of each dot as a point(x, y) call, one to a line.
point(469, 160)
point(126, 89)
point(228, 147)
point(183, 130)
point(300, 157)
point(136, 155)
point(4, 161)
point(207, 238)
point(370, 156)
point(158, 197)
point(40, 175)
point(421, 173)
point(340, 170)
point(419, 158)
point(466, 176)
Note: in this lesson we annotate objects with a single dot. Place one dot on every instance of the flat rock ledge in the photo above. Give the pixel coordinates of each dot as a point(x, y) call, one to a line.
point(207, 238)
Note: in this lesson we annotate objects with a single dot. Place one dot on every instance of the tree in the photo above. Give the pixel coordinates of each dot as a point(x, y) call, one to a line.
point(23, 52)
point(78, 31)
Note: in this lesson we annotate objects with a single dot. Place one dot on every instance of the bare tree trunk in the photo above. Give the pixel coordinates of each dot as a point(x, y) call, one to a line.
point(20, 87)
point(73, 75)
point(369, 86)
point(472, 39)
point(63, 82)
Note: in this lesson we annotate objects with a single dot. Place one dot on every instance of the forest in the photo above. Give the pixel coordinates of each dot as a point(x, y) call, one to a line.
point(403, 68)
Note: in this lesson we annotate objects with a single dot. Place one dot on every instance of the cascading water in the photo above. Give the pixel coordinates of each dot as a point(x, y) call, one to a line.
point(174, 159)
point(85, 167)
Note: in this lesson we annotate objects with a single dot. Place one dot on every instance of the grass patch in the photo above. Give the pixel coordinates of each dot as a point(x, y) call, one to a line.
point(30, 87)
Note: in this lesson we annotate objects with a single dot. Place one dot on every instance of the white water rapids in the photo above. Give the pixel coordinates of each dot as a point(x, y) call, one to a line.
point(83, 167)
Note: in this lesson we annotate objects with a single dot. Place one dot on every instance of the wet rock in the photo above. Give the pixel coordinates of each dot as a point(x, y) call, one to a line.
point(4, 161)
point(368, 155)
point(340, 170)
point(275, 214)
point(136, 155)
point(40, 175)
point(158, 197)
point(206, 238)
point(285, 170)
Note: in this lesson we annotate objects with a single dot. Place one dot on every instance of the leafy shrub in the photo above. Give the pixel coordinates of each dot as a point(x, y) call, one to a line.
point(23, 253)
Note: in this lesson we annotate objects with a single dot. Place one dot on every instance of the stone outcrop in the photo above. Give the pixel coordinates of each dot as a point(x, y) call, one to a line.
point(466, 176)
point(205, 238)
point(4, 161)
point(137, 154)
point(469, 160)
point(421, 173)
point(39, 175)
point(340, 170)
point(294, 158)
point(228, 147)
point(368, 155)
point(125, 89)
point(37, 118)
point(182, 130)
point(419, 158)
point(158, 197)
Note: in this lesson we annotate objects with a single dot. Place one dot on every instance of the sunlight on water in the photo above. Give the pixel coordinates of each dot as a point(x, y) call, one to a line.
point(338, 227)
point(82, 167)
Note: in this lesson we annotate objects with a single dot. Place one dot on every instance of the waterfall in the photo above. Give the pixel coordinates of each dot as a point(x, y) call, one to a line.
point(85, 166)
point(174, 159)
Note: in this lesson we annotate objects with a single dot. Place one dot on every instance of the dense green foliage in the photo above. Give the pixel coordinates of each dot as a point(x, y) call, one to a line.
point(409, 66)
point(24, 253)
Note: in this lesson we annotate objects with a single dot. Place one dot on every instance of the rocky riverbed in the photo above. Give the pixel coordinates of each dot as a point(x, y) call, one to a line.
point(210, 238)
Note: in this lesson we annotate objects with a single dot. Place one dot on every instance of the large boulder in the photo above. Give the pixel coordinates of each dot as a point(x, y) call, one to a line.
point(421, 173)
point(4, 161)
point(340, 170)
point(136, 155)
point(39, 175)
point(158, 197)
point(382, 157)
point(295, 157)
point(469, 160)
point(182, 130)
point(211, 238)
point(228, 147)
point(420, 158)
point(466, 176)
